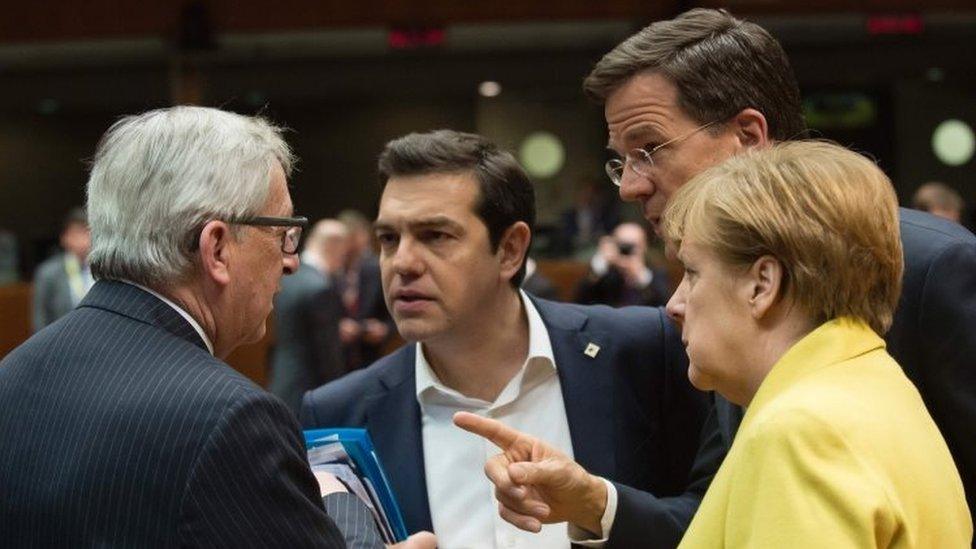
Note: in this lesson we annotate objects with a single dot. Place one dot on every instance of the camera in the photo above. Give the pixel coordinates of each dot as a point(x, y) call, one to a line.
point(626, 248)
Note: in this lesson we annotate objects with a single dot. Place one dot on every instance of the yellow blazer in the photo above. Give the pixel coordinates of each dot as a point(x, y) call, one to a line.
point(835, 450)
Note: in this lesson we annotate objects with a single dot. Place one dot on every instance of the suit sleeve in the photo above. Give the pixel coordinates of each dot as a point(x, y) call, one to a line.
point(697, 442)
point(798, 484)
point(646, 520)
point(251, 485)
point(307, 415)
point(947, 322)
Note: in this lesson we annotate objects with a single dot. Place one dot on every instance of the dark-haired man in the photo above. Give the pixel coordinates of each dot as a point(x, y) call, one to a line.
point(605, 386)
point(683, 95)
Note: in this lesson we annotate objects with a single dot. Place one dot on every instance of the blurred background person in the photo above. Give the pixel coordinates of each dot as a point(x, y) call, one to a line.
point(366, 325)
point(594, 213)
point(307, 350)
point(62, 280)
point(939, 199)
point(9, 255)
point(619, 272)
point(327, 249)
point(793, 267)
point(537, 283)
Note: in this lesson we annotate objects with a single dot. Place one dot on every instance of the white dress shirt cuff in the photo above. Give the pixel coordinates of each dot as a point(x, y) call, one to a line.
point(585, 538)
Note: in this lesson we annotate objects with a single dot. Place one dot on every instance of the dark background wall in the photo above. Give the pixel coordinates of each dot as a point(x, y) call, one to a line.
point(344, 92)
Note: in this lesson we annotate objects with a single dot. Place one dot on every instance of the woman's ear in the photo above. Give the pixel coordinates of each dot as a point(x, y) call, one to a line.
point(214, 252)
point(513, 248)
point(767, 283)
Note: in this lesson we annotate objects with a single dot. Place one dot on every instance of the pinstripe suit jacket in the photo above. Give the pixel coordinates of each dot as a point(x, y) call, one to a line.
point(119, 429)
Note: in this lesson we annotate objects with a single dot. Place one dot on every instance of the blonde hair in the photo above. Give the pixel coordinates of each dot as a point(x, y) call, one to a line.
point(829, 215)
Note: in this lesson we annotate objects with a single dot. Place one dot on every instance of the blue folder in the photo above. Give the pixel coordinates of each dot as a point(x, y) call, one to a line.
point(359, 446)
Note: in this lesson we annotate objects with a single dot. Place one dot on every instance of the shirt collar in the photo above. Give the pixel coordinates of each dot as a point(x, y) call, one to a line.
point(540, 363)
point(178, 309)
point(834, 341)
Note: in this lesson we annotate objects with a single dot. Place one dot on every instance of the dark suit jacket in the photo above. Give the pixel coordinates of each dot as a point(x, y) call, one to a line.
point(933, 336)
point(611, 289)
point(371, 305)
point(634, 418)
point(119, 429)
point(307, 351)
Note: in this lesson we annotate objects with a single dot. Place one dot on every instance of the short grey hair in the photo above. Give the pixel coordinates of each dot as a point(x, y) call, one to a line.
point(159, 176)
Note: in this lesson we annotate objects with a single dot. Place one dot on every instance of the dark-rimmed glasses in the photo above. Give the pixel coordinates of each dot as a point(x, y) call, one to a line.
point(293, 234)
point(640, 159)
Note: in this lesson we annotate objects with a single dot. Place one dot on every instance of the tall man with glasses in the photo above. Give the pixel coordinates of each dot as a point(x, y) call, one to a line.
point(683, 95)
point(121, 425)
point(606, 386)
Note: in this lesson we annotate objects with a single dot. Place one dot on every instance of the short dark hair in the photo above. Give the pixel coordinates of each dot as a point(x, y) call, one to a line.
point(506, 195)
point(719, 65)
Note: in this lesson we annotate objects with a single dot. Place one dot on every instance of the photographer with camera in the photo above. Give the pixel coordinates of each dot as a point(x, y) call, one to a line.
point(619, 273)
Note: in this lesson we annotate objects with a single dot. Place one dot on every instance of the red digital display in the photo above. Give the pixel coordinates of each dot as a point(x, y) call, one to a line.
point(895, 24)
point(403, 39)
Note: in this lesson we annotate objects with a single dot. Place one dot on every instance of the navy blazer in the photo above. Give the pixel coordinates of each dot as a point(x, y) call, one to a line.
point(933, 336)
point(120, 429)
point(634, 418)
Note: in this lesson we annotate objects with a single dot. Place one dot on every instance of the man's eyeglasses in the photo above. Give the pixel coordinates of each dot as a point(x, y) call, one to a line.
point(292, 236)
point(640, 160)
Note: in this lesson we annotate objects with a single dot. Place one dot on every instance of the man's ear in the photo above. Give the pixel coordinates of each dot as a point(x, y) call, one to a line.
point(214, 252)
point(513, 248)
point(766, 284)
point(750, 129)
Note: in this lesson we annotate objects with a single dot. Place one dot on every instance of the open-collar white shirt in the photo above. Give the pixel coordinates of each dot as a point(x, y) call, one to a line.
point(463, 508)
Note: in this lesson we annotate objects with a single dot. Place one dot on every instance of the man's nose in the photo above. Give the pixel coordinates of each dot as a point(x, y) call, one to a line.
point(634, 186)
point(407, 259)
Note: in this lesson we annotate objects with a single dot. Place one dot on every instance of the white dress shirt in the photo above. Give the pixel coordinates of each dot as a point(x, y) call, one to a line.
point(463, 508)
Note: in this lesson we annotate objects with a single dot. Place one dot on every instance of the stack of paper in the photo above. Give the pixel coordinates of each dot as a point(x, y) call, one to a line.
point(348, 454)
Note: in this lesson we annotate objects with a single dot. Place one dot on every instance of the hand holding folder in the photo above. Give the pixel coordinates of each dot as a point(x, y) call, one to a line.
point(348, 456)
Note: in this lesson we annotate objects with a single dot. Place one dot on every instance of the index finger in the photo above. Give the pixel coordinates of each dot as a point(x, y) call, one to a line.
point(497, 432)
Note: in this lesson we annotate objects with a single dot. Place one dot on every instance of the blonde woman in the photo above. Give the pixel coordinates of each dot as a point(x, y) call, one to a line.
point(793, 270)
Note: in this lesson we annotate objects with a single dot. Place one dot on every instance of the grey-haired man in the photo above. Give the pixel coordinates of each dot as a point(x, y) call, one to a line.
point(122, 426)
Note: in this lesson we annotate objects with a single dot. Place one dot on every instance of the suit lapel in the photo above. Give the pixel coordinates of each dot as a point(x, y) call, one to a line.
point(587, 385)
point(393, 420)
